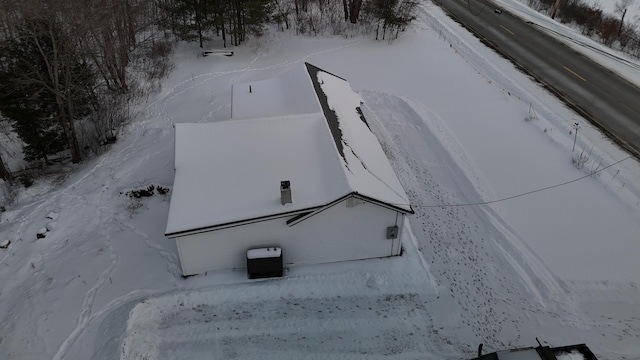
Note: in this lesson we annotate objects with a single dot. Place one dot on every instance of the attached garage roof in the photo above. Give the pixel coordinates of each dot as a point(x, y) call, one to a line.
point(311, 132)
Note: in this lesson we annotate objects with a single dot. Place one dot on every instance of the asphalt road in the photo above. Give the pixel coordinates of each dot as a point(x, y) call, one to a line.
point(607, 100)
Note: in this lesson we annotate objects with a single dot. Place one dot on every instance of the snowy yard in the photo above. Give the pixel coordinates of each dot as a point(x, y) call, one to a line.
point(361, 309)
point(559, 264)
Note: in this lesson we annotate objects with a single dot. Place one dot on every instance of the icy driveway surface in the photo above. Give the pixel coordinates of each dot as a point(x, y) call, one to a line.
point(361, 310)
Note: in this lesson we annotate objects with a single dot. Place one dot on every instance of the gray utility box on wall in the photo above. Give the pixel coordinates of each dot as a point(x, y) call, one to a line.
point(392, 232)
point(264, 262)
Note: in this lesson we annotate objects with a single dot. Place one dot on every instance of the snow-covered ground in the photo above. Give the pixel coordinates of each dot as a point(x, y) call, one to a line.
point(460, 125)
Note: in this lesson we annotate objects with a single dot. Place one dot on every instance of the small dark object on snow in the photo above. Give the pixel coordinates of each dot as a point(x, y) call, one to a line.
point(108, 140)
point(497, 11)
point(217, 52)
point(142, 192)
point(5, 244)
point(26, 180)
point(41, 235)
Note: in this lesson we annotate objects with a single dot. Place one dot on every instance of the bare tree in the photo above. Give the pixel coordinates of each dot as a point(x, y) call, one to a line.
point(107, 42)
point(82, 57)
point(621, 8)
point(556, 5)
point(5, 174)
point(55, 47)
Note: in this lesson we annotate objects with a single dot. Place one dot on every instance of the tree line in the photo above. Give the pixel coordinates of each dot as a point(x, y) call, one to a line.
point(610, 29)
point(70, 70)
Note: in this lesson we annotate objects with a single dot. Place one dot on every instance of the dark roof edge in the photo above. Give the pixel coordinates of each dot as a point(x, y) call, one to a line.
point(238, 222)
point(309, 213)
point(386, 204)
point(323, 70)
point(304, 217)
point(294, 222)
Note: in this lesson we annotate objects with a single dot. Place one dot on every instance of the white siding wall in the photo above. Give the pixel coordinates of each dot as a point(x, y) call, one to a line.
point(336, 234)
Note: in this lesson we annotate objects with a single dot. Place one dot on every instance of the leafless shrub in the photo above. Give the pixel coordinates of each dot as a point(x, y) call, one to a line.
point(579, 159)
point(608, 30)
point(101, 127)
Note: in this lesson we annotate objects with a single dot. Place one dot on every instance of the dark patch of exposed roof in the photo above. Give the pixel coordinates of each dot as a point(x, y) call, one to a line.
point(329, 114)
point(364, 120)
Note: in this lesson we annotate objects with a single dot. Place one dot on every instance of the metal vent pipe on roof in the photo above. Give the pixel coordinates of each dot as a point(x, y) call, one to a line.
point(285, 192)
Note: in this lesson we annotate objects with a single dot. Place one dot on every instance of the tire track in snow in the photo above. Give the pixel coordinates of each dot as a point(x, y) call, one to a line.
point(130, 299)
point(173, 267)
point(465, 246)
point(44, 253)
point(446, 235)
point(90, 296)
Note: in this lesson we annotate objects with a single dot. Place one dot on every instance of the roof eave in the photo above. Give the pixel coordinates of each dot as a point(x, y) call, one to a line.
point(230, 224)
point(312, 211)
point(355, 195)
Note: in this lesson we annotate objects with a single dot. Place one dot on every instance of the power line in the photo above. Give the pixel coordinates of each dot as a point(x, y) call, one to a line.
point(522, 194)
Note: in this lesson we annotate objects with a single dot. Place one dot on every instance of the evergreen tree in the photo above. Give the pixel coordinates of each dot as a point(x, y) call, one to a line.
point(33, 124)
point(256, 14)
point(191, 19)
point(29, 106)
point(44, 89)
point(392, 15)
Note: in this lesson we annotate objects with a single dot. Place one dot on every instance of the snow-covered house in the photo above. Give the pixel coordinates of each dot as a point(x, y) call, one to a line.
point(296, 167)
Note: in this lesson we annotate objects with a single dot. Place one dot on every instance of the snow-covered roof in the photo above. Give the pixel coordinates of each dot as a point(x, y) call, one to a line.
point(287, 94)
point(264, 253)
point(305, 127)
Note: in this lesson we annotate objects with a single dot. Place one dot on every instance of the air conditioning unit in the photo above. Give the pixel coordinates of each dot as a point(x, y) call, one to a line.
point(264, 262)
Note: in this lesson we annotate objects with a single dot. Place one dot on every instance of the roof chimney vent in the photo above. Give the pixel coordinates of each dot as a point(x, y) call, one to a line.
point(285, 192)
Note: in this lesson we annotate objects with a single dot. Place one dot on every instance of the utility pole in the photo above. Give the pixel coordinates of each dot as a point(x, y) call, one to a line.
point(576, 126)
point(624, 12)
